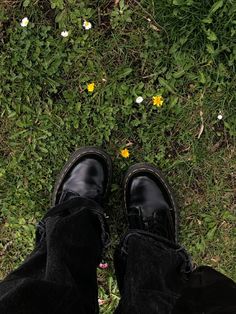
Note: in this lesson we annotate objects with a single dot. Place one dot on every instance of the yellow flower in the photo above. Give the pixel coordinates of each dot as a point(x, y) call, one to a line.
point(157, 101)
point(91, 87)
point(125, 153)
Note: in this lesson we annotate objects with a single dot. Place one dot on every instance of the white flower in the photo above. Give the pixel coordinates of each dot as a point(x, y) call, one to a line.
point(220, 117)
point(101, 302)
point(64, 34)
point(87, 25)
point(139, 100)
point(24, 22)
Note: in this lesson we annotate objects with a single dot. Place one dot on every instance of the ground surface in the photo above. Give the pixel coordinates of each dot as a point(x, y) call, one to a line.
point(183, 50)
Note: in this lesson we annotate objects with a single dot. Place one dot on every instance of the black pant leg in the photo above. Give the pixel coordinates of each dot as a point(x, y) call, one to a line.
point(208, 292)
point(156, 276)
point(60, 274)
point(151, 272)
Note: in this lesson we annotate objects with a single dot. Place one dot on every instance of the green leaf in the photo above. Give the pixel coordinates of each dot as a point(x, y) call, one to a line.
point(211, 35)
point(211, 233)
point(210, 48)
point(61, 16)
point(178, 74)
point(57, 4)
point(124, 73)
point(121, 4)
point(207, 20)
point(26, 3)
point(166, 85)
point(216, 6)
point(179, 2)
point(202, 77)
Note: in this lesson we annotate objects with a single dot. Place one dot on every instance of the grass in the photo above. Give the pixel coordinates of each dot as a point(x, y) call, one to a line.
point(184, 50)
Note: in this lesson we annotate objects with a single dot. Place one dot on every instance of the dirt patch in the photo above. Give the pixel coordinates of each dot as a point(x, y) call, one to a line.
point(9, 4)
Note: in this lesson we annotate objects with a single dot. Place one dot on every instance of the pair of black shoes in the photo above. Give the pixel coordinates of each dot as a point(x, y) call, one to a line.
point(148, 200)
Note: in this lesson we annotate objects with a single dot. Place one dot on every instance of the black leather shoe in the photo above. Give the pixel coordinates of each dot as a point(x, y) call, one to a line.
point(149, 202)
point(87, 174)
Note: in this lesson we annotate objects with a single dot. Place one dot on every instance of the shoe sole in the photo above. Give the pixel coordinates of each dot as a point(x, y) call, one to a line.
point(148, 168)
point(78, 154)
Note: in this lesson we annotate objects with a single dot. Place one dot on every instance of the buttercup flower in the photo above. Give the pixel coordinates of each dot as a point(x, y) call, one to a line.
point(87, 25)
point(125, 153)
point(139, 100)
point(220, 117)
point(64, 34)
point(90, 87)
point(24, 22)
point(157, 101)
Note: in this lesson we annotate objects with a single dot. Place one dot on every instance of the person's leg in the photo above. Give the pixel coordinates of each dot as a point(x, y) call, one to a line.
point(151, 267)
point(151, 272)
point(154, 273)
point(60, 274)
point(207, 291)
point(155, 277)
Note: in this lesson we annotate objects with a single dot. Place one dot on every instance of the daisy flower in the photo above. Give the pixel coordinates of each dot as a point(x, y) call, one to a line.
point(64, 34)
point(139, 100)
point(87, 25)
point(24, 22)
